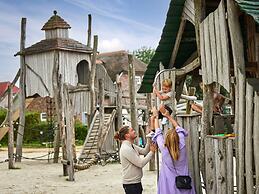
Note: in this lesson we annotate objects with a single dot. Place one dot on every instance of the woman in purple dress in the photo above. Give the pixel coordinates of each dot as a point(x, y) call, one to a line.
point(174, 155)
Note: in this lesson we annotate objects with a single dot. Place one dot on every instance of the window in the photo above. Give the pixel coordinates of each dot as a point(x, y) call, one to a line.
point(43, 116)
point(138, 80)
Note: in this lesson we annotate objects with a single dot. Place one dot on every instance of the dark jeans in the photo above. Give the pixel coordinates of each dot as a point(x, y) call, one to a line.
point(135, 188)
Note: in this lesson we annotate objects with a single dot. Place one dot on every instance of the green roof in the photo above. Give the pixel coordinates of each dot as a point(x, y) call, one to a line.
point(166, 44)
point(251, 7)
point(188, 44)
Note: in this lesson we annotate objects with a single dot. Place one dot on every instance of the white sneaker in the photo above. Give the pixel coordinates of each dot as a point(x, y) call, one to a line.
point(151, 134)
point(164, 121)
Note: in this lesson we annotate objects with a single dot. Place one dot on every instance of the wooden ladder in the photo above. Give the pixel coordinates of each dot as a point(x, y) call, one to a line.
point(89, 152)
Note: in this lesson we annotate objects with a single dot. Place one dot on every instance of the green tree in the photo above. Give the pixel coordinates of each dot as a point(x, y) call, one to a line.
point(144, 54)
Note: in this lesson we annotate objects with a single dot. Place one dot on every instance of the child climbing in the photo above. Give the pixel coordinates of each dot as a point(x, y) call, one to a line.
point(165, 95)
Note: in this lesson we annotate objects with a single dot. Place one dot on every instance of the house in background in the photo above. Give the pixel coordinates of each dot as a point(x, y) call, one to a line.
point(3, 88)
point(116, 63)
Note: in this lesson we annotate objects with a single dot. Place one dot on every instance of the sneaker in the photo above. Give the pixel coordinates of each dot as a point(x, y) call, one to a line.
point(164, 121)
point(151, 134)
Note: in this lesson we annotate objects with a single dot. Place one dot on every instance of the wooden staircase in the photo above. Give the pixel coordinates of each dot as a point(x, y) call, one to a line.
point(89, 153)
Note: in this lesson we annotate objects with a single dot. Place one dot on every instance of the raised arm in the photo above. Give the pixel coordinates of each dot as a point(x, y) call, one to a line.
point(132, 156)
point(157, 93)
point(171, 119)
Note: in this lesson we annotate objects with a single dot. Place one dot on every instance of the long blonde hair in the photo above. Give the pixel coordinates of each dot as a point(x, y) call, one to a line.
point(172, 143)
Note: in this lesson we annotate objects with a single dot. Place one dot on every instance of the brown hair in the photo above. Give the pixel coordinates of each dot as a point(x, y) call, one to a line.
point(172, 143)
point(167, 83)
point(120, 135)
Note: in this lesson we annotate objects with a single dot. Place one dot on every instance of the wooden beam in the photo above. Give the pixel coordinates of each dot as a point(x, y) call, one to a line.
point(189, 68)
point(256, 138)
point(56, 84)
point(68, 112)
point(20, 133)
point(10, 131)
point(89, 31)
point(2, 97)
point(92, 77)
point(177, 42)
point(132, 93)
point(119, 105)
point(249, 139)
point(239, 68)
point(101, 114)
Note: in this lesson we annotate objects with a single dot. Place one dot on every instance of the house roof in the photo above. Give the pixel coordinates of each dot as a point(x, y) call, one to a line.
point(57, 44)
point(166, 44)
point(117, 62)
point(55, 22)
point(251, 7)
point(4, 87)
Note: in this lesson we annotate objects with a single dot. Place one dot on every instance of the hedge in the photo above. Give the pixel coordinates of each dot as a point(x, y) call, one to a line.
point(37, 131)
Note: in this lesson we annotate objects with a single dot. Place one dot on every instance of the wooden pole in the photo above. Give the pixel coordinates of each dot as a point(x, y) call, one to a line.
point(68, 110)
point(92, 77)
point(132, 94)
point(199, 6)
point(58, 105)
point(239, 66)
point(89, 31)
point(22, 93)
point(248, 138)
point(256, 138)
point(230, 173)
point(101, 114)
point(10, 131)
point(119, 105)
point(152, 162)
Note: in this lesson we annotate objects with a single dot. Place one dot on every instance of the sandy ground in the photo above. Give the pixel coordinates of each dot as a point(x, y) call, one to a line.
point(41, 177)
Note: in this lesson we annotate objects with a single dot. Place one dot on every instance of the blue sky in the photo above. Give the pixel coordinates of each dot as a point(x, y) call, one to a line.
point(119, 24)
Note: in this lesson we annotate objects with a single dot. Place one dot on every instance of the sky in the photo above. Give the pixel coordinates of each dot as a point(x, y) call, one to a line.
point(119, 24)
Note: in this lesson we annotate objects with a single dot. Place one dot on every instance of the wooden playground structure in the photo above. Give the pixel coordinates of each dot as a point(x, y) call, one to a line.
point(225, 54)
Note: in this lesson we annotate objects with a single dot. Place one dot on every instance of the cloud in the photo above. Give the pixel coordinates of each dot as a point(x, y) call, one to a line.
point(111, 45)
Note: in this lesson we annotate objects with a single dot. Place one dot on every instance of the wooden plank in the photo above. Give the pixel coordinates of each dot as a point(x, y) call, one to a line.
point(210, 166)
point(212, 35)
point(256, 137)
point(203, 54)
point(188, 143)
point(218, 46)
point(239, 67)
point(224, 46)
point(20, 133)
point(207, 43)
point(194, 134)
point(248, 138)
point(101, 113)
point(177, 42)
point(221, 155)
point(230, 173)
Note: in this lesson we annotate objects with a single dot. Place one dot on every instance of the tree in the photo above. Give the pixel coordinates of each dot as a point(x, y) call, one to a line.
point(144, 54)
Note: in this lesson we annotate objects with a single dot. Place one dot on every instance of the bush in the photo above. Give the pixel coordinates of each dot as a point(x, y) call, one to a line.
point(80, 130)
point(36, 131)
point(3, 113)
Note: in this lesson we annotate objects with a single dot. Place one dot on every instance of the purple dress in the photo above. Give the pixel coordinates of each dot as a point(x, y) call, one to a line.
point(169, 170)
